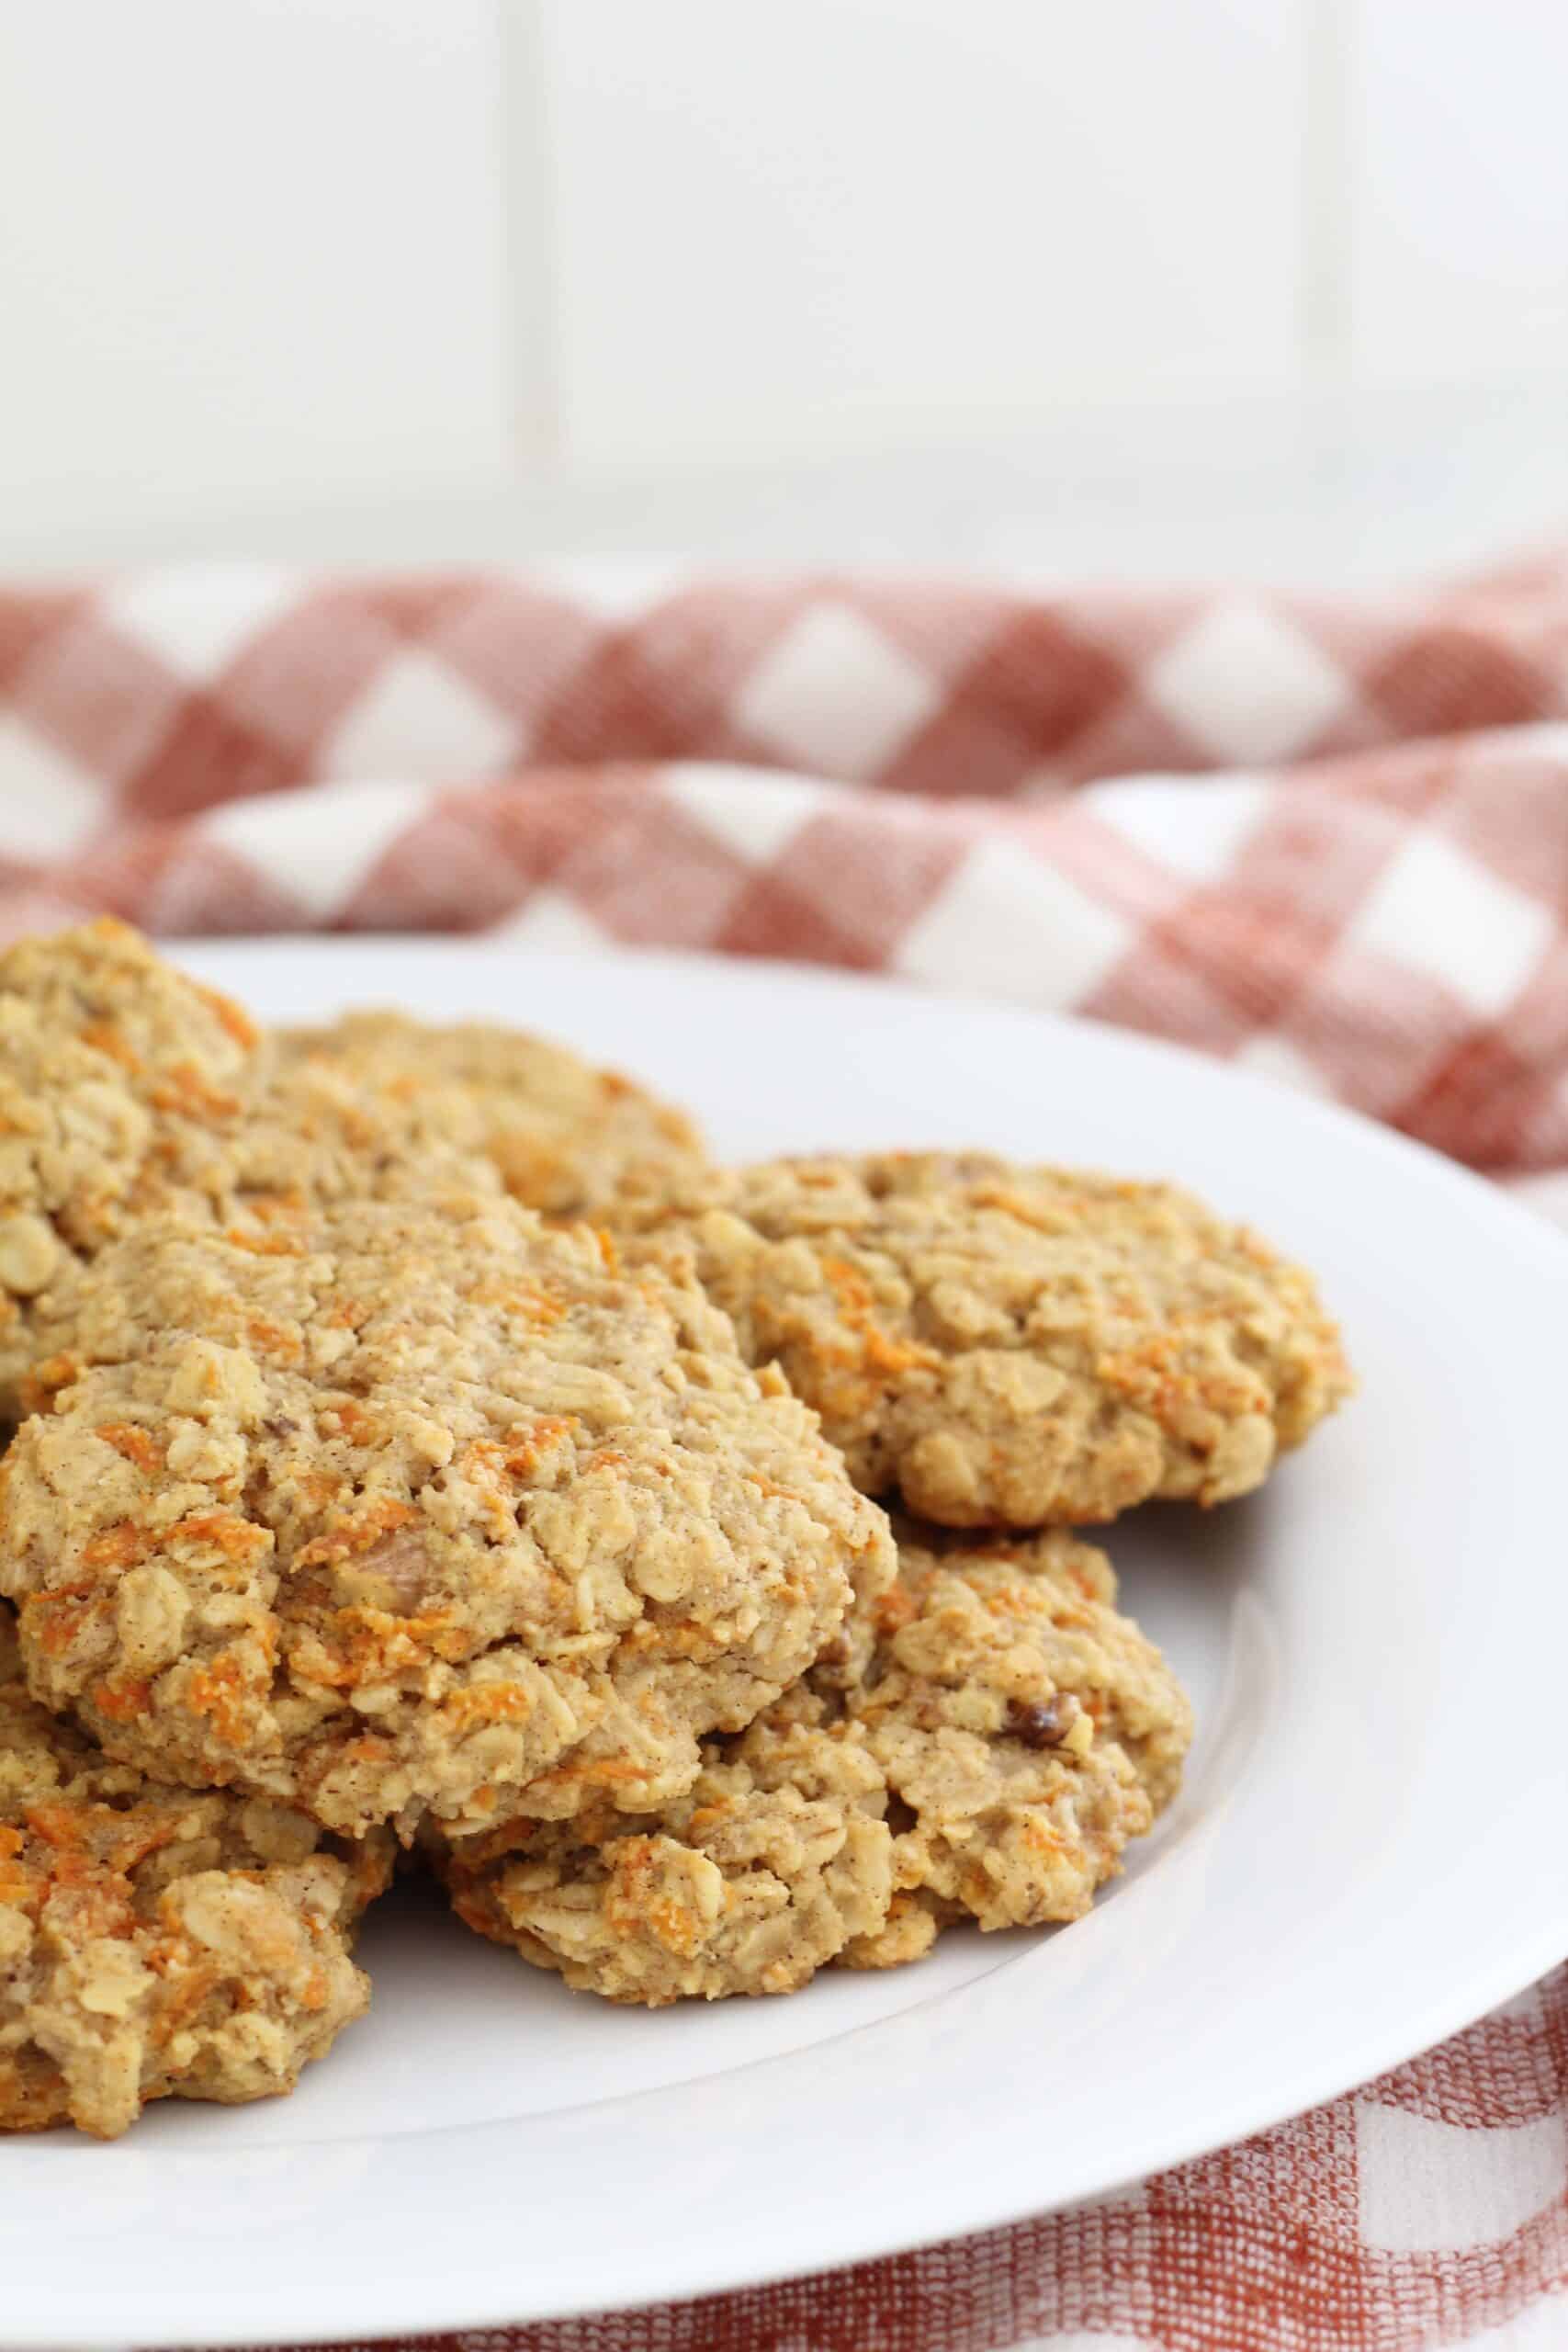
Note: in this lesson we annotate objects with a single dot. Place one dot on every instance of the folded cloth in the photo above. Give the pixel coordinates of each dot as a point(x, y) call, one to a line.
point(1328, 841)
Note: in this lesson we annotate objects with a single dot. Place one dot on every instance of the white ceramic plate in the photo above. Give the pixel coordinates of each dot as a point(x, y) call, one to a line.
point(1367, 1853)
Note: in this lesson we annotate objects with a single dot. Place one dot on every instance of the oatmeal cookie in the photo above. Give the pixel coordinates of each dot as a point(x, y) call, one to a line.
point(979, 1742)
point(306, 1140)
point(418, 1505)
point(110, 1060)
point(967, 1614)
point(1013, 1347)
point(129, 1092)
point(773, 1863)
point(568, 1139)
point(1024, 1728)
point(156, 1942)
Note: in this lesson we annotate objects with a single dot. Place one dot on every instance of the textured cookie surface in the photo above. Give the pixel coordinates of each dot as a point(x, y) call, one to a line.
point(129, 1092)
point(980, 1741)
point(568, 1139)
point(154, 1941)
point(1026, 1725)
point(1013, 1347)
point(415, 1506)
point(771, 1865)
point(111, 1062)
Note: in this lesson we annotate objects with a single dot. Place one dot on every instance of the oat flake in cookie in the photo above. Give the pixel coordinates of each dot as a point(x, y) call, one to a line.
point(979, 1742)
point(418, 1507)
point(566, 1138)
point(157, 1942)
point(1015, 1346)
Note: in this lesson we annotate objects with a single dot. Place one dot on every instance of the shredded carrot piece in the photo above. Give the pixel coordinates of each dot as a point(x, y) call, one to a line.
point(137, 1445)
point(279, 1340)
point(236, 1538)
point(490, 1702)
point(123, 1702)
point(54, 1619)
point(269, 1244)
point(234, 1020)
point(119, 1546)
point(185, 1091)
point(360, 1533)
point(220, 1690)
point(105, 1038)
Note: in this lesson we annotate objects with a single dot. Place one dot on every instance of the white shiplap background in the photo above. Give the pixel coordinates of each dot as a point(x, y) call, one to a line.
point(1276, 282)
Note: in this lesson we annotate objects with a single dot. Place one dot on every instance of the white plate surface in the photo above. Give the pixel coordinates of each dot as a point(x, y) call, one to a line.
point(1367, 1853)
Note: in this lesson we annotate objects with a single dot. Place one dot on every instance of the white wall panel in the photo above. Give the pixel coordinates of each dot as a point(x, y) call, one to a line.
point(247, 244)
point(845, 219)
point(1458, 188)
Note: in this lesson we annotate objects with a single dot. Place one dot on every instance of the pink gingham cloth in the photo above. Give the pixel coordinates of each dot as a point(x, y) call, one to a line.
point(1326, 840)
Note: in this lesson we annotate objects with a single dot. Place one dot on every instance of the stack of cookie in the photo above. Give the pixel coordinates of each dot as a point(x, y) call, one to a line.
point(422, 1449)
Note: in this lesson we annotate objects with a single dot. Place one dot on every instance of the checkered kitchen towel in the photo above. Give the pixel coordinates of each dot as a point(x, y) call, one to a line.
point(1328, 842)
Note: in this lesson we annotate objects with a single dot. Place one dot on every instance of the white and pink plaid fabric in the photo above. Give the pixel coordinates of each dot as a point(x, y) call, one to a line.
point(1329, 842)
